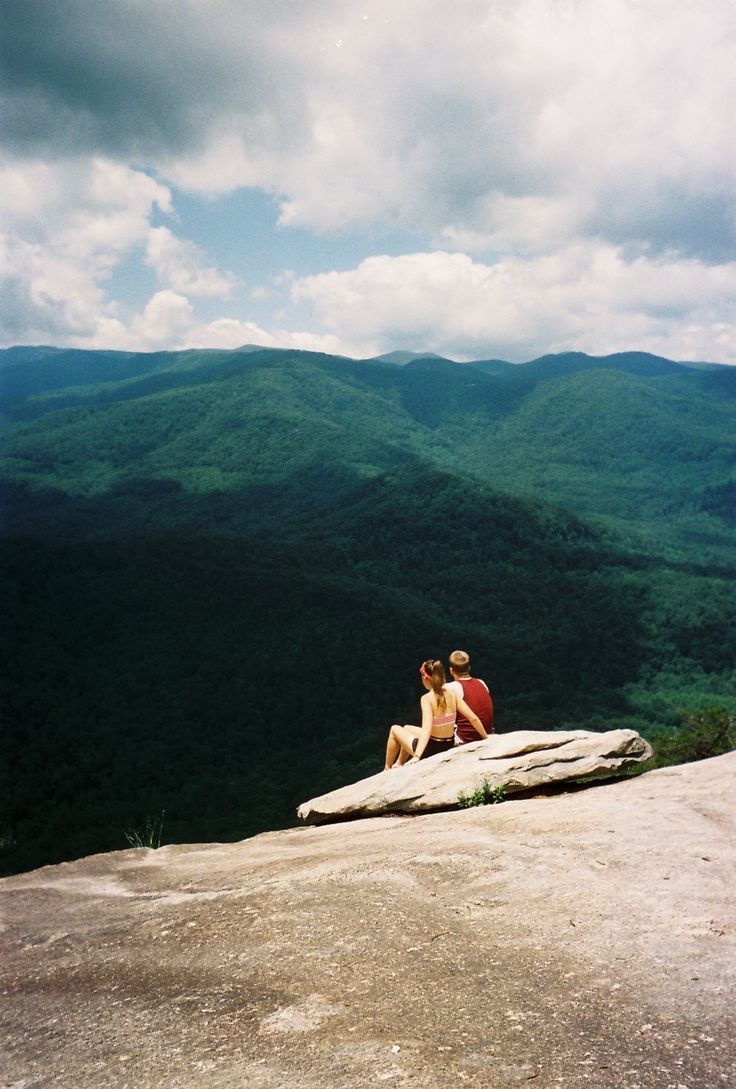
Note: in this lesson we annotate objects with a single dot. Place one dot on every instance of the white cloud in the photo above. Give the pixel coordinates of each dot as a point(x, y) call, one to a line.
point(65, 228)
point(182, 265)
point(168, 321)
point(586, 297)
point(28, 189)
point(511, 124)
point(113, 185)
point(526, 224)
point(166, 316)
point(588, 143)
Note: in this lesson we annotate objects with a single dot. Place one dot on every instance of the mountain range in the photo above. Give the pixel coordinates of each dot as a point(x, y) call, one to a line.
point(222, 568)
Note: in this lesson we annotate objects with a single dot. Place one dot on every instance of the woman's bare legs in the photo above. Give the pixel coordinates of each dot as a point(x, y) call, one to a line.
point(407, 746)
point(399, 745)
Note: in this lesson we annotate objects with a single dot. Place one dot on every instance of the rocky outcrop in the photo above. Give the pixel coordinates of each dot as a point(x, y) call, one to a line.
point(582, 940)
point(524, 760)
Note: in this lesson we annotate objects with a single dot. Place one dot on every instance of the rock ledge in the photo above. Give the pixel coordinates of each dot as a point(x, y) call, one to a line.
point(524, 760)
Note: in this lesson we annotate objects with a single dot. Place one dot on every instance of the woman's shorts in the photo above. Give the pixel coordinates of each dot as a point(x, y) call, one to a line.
point(435, 745)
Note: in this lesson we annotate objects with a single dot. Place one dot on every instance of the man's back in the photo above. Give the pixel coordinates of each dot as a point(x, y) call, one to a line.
point(478, 698)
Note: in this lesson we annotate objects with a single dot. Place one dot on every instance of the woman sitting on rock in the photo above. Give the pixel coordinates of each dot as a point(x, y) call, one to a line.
point(437, 732)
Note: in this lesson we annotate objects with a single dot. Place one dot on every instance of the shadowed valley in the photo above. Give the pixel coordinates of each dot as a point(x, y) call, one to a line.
point(222, 567)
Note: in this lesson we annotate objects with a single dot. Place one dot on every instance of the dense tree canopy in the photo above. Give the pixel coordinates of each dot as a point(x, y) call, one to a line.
point(221, 569)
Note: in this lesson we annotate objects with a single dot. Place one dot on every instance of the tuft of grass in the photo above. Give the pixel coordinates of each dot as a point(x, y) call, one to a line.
point(484, 794)
point(7, 841)
point(151, 834)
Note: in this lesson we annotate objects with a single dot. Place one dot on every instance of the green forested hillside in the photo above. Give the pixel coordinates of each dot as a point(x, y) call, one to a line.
point(221, 569)
point(654, 453)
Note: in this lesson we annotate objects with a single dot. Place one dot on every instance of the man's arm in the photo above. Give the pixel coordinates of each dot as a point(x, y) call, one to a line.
point(472, 718)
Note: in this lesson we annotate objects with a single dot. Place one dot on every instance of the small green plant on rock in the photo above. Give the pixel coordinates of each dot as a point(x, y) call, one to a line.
point(151, 834)
point(484, 794)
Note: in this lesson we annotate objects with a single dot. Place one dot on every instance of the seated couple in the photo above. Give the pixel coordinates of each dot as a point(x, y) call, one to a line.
point(452, 714)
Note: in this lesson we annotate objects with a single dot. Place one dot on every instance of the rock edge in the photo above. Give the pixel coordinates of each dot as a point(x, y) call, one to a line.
point(523, 760)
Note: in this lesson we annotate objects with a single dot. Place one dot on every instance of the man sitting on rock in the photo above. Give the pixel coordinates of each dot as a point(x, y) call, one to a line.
point(475, 693)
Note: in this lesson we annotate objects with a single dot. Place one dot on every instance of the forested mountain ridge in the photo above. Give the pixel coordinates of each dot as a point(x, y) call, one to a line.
point(650, 450)
point(221, 568)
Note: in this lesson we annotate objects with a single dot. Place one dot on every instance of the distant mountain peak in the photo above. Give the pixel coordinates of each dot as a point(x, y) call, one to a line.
point(402, 357)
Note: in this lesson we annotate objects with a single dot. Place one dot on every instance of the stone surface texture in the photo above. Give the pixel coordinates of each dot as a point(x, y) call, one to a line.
point(524, 760)
point(584, 939)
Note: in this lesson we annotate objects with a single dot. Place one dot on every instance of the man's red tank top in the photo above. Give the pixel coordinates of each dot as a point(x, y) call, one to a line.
point(478, 699)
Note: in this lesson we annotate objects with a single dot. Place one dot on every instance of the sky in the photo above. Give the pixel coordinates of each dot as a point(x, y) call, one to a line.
point(496, 179)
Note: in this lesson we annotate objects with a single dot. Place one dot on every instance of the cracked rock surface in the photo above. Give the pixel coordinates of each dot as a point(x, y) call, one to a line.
point(581, 939)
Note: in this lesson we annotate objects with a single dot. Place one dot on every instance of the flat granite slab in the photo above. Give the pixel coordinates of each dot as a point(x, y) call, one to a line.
point(523, 760)
point(583, 940)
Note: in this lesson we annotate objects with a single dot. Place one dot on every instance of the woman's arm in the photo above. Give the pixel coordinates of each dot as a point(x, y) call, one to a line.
point(426, 705)
point(471, 716)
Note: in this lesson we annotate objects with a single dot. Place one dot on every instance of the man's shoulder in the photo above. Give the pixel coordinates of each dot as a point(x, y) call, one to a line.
point(457, 686)
point(454, 686)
